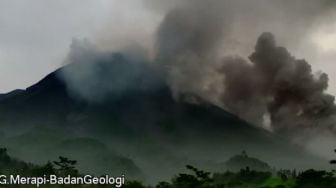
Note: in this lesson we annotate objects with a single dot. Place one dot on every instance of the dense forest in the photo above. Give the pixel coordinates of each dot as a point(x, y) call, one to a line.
point(246, 177)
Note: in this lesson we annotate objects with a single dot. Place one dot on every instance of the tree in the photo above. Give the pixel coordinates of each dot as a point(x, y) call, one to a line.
point(4, 158)
point(40, 171)
point(199, 179)
point(314, 178)
point(66, 166)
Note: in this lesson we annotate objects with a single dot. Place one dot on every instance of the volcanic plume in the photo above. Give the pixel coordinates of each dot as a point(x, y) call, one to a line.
point(277, 84)
point(270, 88)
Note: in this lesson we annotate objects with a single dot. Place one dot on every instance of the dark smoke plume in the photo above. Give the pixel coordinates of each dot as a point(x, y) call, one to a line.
point(272, 86)
point(277, 84)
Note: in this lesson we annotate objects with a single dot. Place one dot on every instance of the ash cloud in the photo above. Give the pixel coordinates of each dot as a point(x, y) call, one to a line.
point(203, 48)
point(278, 84)
point(196, 48)
point(195, 34)
point(243, 21)
point(186, 43)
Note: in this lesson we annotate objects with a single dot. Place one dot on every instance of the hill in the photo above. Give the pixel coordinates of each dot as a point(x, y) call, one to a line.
point(243, 161)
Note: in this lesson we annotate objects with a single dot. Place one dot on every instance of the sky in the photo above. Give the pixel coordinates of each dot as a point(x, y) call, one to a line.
point(35, 35)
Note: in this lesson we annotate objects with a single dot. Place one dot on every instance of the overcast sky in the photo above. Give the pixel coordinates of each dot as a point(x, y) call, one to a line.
point(35, 35)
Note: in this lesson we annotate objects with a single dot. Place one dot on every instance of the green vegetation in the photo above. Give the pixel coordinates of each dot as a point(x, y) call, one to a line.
point(244, 178)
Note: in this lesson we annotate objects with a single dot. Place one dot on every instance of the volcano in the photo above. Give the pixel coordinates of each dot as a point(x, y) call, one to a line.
point(141, 126)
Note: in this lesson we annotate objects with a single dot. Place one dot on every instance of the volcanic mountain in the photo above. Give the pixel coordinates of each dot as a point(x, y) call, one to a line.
point(133, 127)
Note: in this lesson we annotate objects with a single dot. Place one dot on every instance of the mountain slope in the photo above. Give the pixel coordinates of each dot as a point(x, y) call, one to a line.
point(143, 122)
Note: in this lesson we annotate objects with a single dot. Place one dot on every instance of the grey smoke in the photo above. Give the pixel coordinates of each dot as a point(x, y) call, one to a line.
point(203, 48)
point(186, 44)
point(95, 76)
point(243, 21)
point(278, 84)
